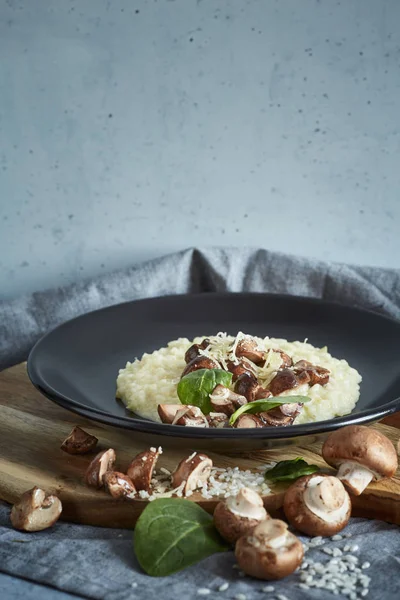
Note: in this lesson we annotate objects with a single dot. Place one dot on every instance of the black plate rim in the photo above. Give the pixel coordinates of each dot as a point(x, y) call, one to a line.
point(142, 425)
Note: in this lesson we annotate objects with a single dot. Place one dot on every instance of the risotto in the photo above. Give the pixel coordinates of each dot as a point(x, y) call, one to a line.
point(152, 380)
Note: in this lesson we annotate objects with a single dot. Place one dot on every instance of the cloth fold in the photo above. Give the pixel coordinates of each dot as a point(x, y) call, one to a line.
point(99, 563)
point(24, 320)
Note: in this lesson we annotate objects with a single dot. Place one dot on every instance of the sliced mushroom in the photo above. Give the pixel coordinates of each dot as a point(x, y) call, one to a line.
point(262, 393)
point(283, 380)
point(249, 422)
point(200, 362)
point(238, 515)
point(119, 485)
point(224, 400)
point(270, 551)
point(102, 462)
point(217, 419)
point(247, 386)
point(248, 348)
point(193, 471)
point(195, 350)
point(237, 369)
point(286, 359)
point(79, 442)
point(316, 374)
point(281, 416)
point(190, 416)
point(317, 505)
point(35, 510)
point(140, 470)
point(167, 412)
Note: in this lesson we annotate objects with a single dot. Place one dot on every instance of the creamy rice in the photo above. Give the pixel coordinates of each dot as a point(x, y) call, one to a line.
point(153, 379)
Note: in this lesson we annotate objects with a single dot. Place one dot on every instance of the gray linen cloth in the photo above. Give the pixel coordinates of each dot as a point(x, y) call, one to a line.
point(93, 562)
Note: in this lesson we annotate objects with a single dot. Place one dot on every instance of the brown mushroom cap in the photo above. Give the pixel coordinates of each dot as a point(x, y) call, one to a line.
point(200, 362)
point(217, 419)
point(222, 399)
point(35, 510)
point(79, 442)
point(270, 551)
point(248, 348)
point(307, 372)
point(286, 359)
point(238, 515)
point(239, 368)
point(248, 421)
point(119, 485)
point(317, 504)
point(360, 445)
point(167, 412)
point(140, 470)
point(247, 385)
point(195, 350)
point(102, 462)
point(283, 380)
point(194, 471)
point(190, 416)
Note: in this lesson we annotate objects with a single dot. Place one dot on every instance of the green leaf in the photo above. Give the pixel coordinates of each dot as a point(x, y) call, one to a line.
point(171, 534)
point(266, 404)
point(287, 470)
point(195, 387)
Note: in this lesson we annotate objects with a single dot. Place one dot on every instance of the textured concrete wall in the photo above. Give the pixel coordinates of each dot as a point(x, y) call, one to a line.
point(132, 128)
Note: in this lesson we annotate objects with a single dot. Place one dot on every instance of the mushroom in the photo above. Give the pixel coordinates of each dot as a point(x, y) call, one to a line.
point(281, 416)
point(239, 368)
point(248, 421)
point(224, 400)
point(283, 380)
point(195, 350)
point(119, 485)
point(102, 462)
point(140, 470)
point(247, 385)
point(248, 348)
point(193, 472)
point(35, 510)
point(200, 362)
point(217, 419)
point(361, 454)
point(262, 393)
point(270, 551)
point(315, 373)
point(286, 359)
point(317, 505)
point(79, 442)
point(190, 416)
point(238, 515)
point(167, 412)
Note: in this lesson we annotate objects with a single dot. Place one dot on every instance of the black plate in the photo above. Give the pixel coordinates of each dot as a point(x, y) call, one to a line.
point(76, 364)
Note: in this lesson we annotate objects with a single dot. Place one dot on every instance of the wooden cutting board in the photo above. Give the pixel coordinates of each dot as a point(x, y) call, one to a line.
point(32, 429)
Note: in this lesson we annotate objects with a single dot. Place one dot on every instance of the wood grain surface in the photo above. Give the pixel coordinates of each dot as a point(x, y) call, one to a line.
point(32, 429)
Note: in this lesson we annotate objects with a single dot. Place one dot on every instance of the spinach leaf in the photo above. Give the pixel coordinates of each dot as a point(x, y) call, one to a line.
point(287, 470)
point(171, 534)
point(266, 404)
point(195, 387)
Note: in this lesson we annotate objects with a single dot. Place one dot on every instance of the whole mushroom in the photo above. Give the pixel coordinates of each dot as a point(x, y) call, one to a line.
point(270, 551)
point(238, 515)
point(317, 505)
point(35, 510)
point(361, 454)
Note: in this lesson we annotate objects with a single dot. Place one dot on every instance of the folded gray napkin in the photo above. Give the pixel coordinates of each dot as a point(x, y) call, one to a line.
point(24, 320)
point(99, 563)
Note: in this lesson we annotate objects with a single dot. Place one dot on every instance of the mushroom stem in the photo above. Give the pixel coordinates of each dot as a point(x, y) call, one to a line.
point(326, 498)
point(355, 476)
point(247, 503)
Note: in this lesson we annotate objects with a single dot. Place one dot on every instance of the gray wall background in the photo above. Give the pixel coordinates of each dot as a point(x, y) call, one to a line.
point(133, 128)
